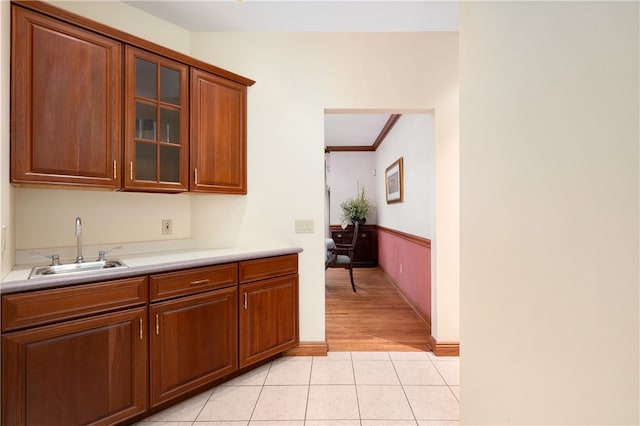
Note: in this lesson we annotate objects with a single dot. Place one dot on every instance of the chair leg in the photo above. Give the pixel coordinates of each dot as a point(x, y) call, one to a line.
point(353, 286)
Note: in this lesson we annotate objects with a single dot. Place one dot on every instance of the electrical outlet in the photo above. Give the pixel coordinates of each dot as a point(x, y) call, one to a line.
point(167, 227)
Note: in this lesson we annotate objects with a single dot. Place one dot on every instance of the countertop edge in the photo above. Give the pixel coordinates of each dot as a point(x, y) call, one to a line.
point(17, 286)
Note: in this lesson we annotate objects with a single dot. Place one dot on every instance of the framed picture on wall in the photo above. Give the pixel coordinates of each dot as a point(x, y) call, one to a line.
point(393, 182)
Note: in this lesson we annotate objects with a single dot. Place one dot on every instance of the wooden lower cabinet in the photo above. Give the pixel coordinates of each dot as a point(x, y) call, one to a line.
point(91, 371)
point(105, 353)
point(194, 342)
point(268, 318)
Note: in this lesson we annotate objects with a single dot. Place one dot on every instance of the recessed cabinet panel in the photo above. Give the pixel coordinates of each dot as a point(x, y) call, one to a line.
point(90, 371)
point(65, 103)
point(268, 318)
point(195, 341)
point(218, 134)
point(157, 112)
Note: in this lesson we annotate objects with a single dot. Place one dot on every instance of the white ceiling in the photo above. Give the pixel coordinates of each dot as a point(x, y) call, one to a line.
point(341, 129)
point(353, 129)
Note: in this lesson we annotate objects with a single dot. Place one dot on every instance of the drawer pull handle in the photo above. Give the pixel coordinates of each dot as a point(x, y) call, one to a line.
point(199, 282)
point(115, 169)
point(131, 170)
point(140, 328)
point(157, 326)
point(245, 300)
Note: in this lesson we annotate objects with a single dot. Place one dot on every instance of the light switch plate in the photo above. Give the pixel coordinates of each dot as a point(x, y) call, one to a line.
point(304, 226)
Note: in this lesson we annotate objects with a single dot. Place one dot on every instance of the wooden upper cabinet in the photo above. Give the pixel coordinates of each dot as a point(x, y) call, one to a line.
point(218, 134)
point(156, 123)
point(65, 103)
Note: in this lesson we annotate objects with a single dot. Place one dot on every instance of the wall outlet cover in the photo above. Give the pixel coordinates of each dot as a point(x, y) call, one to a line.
point(167, 227)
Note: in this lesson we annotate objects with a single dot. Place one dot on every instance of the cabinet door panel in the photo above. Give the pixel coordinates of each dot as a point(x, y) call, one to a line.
point(195, 342)
point(66, 103)
point(156, 123)
point(90, 371)
point(218, 134)
point(268, 318)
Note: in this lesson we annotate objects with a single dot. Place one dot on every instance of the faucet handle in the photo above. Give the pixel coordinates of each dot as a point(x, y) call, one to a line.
point(102, 254)
point(54, 258)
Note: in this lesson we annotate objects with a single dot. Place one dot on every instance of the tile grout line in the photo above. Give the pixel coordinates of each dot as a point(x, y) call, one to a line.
point(306, 408)
point(404, 392)
point(259, 394)
point(355, 387)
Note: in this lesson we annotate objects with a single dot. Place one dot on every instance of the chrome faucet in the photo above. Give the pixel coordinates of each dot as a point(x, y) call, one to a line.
point(79, 258)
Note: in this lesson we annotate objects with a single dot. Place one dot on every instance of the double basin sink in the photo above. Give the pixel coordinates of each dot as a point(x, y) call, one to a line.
point(74, 268)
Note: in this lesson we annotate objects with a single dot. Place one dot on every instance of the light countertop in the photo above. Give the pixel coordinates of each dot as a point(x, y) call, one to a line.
point(139, 264)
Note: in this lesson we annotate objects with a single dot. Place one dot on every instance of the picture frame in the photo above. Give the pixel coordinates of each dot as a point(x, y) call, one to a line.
point(394, 182)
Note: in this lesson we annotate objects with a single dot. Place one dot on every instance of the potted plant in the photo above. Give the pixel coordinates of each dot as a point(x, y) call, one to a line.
point(356, 209)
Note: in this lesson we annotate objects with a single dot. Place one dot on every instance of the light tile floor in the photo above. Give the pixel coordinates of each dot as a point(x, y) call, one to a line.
point(341, 389)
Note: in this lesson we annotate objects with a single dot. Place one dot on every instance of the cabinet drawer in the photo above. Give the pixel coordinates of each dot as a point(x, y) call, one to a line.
point(47, 306)
point(343, 237)
point(259, 269)
point(173, 284)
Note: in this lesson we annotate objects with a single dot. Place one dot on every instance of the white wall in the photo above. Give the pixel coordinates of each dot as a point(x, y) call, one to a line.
point(6, 191)
point(117, 14)
point(298, 76)
point(413, 139)
point(349, 173)
point(46, 217)
point(549, 212)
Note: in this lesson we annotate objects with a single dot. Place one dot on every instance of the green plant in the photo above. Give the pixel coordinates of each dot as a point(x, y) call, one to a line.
point(356, 208)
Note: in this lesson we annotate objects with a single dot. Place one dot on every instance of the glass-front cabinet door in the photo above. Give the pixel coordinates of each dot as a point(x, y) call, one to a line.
point(156, 123)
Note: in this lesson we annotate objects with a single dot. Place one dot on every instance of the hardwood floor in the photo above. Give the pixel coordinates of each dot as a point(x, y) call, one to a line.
point(375, 318)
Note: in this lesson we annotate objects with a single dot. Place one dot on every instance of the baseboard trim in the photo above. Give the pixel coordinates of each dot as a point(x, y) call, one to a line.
point(438, 348)
point(309, 349)
point(416, 308)
point(444, 348)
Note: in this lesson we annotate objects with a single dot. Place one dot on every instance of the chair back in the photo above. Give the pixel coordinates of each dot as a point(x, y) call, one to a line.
point(356, 233)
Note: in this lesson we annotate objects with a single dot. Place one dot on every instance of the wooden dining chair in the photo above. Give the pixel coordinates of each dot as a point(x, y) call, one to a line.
point(341, 255)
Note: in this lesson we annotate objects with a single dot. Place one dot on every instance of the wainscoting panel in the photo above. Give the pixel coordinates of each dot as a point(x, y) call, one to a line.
point(407, 260)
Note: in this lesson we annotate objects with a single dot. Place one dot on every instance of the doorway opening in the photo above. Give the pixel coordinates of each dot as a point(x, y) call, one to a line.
point(360, 147)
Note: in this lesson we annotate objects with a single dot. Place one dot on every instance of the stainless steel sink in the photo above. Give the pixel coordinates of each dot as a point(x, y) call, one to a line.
point(74, 268)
